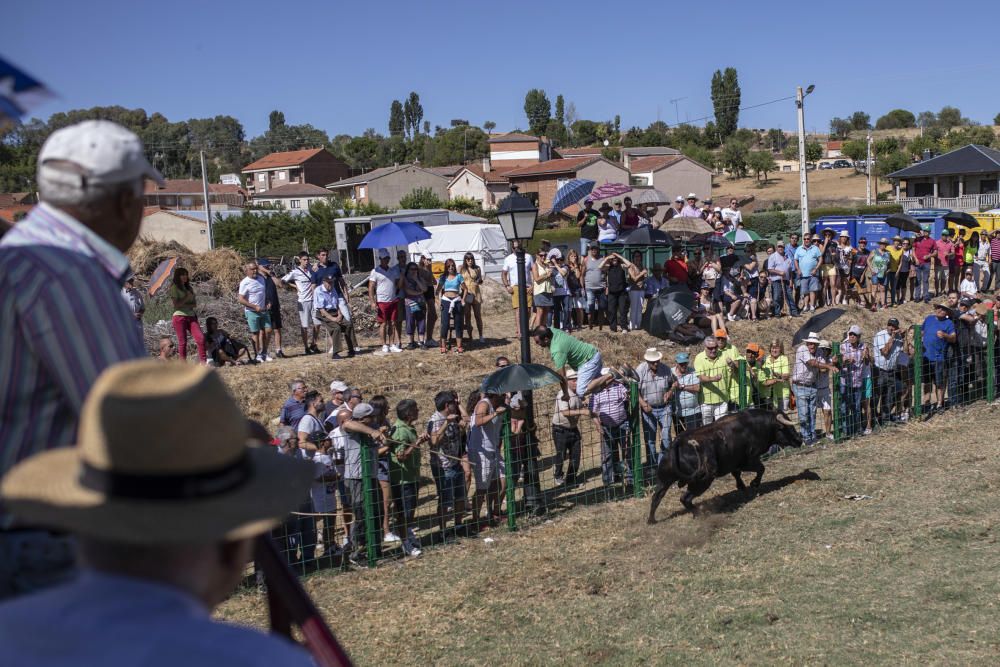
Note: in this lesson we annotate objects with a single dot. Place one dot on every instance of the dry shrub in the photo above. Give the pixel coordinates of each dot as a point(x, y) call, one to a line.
point(221, 268)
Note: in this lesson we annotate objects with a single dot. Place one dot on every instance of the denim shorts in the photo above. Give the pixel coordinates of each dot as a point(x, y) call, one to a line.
point(452, 486)
point(258, 321)
point(809, 284)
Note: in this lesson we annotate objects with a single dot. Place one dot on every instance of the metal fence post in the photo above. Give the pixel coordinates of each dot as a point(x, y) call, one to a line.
point(838, 426)
point(743, 380)
point(991, 388)
point(507, 474)
point(368, 488)
point(918, 371)
point(638, 477)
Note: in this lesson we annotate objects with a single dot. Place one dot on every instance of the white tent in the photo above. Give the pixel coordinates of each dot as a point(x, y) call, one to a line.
point(485, 241)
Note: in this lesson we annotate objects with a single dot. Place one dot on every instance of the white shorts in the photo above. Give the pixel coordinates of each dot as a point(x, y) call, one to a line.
point(306, 318)
point(486, 468)
point(824, 400)
point(711, 412)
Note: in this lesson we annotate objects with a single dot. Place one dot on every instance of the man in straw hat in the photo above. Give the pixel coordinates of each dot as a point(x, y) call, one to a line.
point(657, 386)
point(165, 519)
point(62, 317)
point(804, 373)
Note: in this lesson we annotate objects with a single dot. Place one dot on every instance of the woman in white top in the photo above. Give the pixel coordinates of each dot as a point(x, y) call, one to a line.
point(607, 232)
point(981, 267)
point(541, 282)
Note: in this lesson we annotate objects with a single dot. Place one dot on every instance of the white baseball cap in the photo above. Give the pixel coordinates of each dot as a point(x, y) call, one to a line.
point(337, 385)
point(383, 253)
point(104, 151)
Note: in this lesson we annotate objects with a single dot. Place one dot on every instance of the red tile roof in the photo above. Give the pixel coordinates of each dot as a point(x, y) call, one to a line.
point(511, 137)
point(285, 159)
point(294, 190)
point(653, 163)
point(190, 187)
point(834, 145)
point(8, 213)
point(562, 166)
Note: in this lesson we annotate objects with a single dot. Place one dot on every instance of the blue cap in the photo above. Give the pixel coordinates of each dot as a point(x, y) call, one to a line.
point(263, 262)
point(682, 357)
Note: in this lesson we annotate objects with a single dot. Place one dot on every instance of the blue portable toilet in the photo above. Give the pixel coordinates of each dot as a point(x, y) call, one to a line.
point(837, 223)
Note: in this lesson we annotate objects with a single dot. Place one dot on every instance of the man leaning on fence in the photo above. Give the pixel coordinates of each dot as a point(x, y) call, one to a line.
point(887, 346)
point(804, 386)
point(609, 405)
point(62, 316)
point(657, 386)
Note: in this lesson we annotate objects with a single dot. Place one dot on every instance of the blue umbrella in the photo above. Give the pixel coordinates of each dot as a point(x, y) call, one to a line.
point(393, 234)
point(571, 193)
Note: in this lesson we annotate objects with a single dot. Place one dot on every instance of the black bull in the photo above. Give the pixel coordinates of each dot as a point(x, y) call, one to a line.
point(730, 446)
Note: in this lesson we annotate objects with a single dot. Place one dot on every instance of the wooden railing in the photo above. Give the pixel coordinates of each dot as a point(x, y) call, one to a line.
point(963, 203)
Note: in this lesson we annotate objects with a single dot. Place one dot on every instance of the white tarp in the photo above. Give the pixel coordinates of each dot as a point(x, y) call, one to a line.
point(485, 241)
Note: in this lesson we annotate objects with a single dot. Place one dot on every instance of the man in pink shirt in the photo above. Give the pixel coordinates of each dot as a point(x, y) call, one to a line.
point(923, 251)
point(945, 255)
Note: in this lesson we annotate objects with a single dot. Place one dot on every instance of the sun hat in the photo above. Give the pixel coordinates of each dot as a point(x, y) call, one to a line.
point(813, 337)
point(140, 473)
point(605, 207)
point(897, 237)
point(827, 231)
point(854, 329)
point(720, 333)
point(337, 385)
point(570, 374)
point(679, 198)
point(652, 354)
point(682, 357)
point(825, 344)
point(883, 240)
point(692, 195)
point(845, 233)
point(105, 151)
point(362, 410)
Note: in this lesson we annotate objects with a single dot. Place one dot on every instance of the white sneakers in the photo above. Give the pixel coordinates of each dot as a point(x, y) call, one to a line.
point(390, 537)
point(395, 348)
point(385, 349)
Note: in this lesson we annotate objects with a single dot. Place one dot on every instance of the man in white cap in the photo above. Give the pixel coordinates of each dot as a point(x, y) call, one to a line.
point(804, 385)
point(675, 209)
point(657, 386)
point(165, 530)
point(62, 317)
point(690, 210)
point(383, 283)
point(855, 373)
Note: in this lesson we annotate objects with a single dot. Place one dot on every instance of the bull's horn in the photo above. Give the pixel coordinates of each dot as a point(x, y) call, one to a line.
point(783, 419)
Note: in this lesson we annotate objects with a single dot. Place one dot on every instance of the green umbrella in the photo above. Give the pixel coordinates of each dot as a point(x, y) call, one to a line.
point(742, 236)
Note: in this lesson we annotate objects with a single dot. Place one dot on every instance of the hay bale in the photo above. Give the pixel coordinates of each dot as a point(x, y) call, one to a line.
point(222, 267)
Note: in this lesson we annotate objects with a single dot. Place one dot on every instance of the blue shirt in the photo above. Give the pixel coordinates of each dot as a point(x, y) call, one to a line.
point(291, 412)
point(451, 283)
point(331, 268)
point(116, 621)
point(62, 322)
point(936, 348)
point(808, 259)
point(324, 299)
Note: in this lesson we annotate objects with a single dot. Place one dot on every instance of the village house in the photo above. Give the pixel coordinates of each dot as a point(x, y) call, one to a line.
point(540, 181)
point(515, 149)
point(317, 166)
point(184, 194)
point(672, 175)
point(294, 196)
point(385, 186)
point(482, 183)
point(965, 179)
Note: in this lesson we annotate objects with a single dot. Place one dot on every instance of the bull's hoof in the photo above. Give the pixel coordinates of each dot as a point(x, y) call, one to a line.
point(650, 521)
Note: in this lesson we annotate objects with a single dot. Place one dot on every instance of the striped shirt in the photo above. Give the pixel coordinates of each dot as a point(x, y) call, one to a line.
point(62, 322)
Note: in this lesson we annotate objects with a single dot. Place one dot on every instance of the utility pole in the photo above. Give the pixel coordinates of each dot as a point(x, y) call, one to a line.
point(803, 177)
point(677, 113)
point(868, 172)
point(208, 206)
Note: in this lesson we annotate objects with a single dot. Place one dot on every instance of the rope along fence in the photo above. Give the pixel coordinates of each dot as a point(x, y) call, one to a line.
point(412, 493)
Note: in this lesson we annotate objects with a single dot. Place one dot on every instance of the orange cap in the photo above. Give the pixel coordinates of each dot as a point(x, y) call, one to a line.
point(721, 333)
point(755, 348)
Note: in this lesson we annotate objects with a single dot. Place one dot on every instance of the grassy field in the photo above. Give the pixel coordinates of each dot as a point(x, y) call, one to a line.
point(795, 573)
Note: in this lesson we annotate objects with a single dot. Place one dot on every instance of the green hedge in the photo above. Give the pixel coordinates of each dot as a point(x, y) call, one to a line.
point(277, 235)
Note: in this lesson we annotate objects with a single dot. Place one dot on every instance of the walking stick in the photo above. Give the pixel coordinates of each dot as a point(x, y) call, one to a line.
point(288, 603)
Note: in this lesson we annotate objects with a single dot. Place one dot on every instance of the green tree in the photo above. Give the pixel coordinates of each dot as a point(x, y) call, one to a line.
point(896, 119)
point(397, 119)
point(734, 158)
point(687, 134)
point(926, 119)
point(840, 128)
point(861, 121)
point(584, 132)
point(918, 145)
point(996, 119)
point(489, 126)
point(892, 162)
point(275, 120)
point(726, 100)
point(776, 139)
point(886, 145)
point(981, 135)
point(950, 117)
point(413, 113)
point(538, 111)
point(699, 154)
point(560, 110)
point(856, 150)
point(421, 198)
point(761, 162)
point(427, 125)
point(814, 150)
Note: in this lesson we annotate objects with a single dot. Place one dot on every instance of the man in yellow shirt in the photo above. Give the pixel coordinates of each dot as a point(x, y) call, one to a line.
point(713, 376)
point(732, 357)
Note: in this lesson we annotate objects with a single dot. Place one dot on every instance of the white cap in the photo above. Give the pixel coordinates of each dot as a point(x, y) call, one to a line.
point(813, 337)
point(717, 210)
point(337, 385)
point(383, 253)
point(679, 198)
point(854, 329)
point(362, 410)
point(105, 152)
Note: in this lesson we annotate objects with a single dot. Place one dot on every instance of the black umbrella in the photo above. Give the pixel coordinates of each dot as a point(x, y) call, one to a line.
point(817, 323)
point(646, 236)
point(712, 239)
point(962, 219)
point(729, 261)
point(903, 222)
point(667, 310)
point(519, 377)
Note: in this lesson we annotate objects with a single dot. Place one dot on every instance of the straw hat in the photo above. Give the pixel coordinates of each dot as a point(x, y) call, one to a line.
point(652, 354)
point(813, 337)
point(162, 456)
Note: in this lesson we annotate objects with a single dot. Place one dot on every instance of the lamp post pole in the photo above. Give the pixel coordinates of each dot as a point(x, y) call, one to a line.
point(522, 305)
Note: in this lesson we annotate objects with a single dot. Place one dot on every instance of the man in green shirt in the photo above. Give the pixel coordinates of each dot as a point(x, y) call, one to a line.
point(404, 472)
point(582, 357)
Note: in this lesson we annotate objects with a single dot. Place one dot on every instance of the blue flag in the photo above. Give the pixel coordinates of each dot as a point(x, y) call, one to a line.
point(19, 93)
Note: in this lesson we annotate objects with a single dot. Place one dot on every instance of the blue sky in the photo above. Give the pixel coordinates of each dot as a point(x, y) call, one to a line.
point(338, 65)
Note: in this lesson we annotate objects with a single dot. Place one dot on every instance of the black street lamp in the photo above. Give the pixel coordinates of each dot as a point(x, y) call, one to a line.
point(517, 216)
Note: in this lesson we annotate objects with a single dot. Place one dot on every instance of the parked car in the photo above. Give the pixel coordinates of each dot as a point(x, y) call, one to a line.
point(826, 165)
point(810, 166)
point(842, 164)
